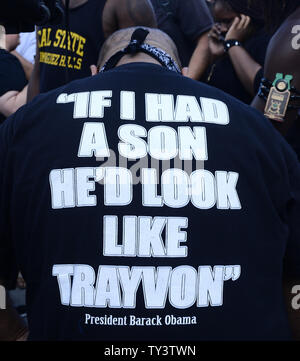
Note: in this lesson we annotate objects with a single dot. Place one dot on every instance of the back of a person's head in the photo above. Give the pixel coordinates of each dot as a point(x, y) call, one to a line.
point(121, 38)
point(250, 8)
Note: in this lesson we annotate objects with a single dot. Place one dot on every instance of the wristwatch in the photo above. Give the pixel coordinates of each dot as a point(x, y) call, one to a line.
point(230, 43)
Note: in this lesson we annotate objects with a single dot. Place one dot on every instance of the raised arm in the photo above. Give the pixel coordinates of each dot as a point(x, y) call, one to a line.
point(11, 101)
point(195, 21)
point(245, 66)
point(200, 59)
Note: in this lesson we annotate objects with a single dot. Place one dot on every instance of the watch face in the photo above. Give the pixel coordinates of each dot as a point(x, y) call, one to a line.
point(281, 85)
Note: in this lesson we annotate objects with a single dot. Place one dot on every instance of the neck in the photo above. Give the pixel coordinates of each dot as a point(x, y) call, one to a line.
point(74, 3)
point(138, 58)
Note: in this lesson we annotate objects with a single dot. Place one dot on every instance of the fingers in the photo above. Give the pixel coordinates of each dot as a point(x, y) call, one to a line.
point(214, 37)
point(214, 32)
point(231, 33)
point(236, 23)
point(241, 23)
point(248, 21)
point(216, 28)
point(239, 29)
point(244, 22)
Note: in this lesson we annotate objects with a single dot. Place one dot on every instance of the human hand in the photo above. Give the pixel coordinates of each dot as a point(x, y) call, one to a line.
point(215, 42)
point(240, 29)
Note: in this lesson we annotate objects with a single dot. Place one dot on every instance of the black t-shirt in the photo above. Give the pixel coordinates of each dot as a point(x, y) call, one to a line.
point(12, 76)
point(223, 75)
point(293, 136)
point(184, 22)
point(143, 205)
point(59, 65)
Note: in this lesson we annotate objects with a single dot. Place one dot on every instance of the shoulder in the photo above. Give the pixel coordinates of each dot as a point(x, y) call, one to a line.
point(199, 6)
point(285, 41)
point(194, 16)
point(284, 37)
point(119, 14)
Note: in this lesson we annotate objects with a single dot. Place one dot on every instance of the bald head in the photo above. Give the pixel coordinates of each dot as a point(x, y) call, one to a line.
point(121, 38)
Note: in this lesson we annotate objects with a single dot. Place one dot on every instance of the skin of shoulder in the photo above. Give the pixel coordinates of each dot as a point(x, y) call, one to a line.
point(283, 58)
point(119, 14)
point(281, 55)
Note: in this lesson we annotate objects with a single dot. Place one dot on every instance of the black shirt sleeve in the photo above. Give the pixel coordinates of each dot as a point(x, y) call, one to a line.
point(12, 75)
point(194, 18)
point(8, 266)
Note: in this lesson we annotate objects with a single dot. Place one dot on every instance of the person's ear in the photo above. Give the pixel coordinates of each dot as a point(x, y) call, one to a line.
point(94, 70)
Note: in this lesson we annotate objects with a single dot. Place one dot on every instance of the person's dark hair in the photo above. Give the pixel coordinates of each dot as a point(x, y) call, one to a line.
point(246, 7)
point(276, 11)
point(249, 8)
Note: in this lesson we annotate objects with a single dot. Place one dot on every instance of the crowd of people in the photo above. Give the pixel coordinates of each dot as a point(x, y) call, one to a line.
point(77, 98)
